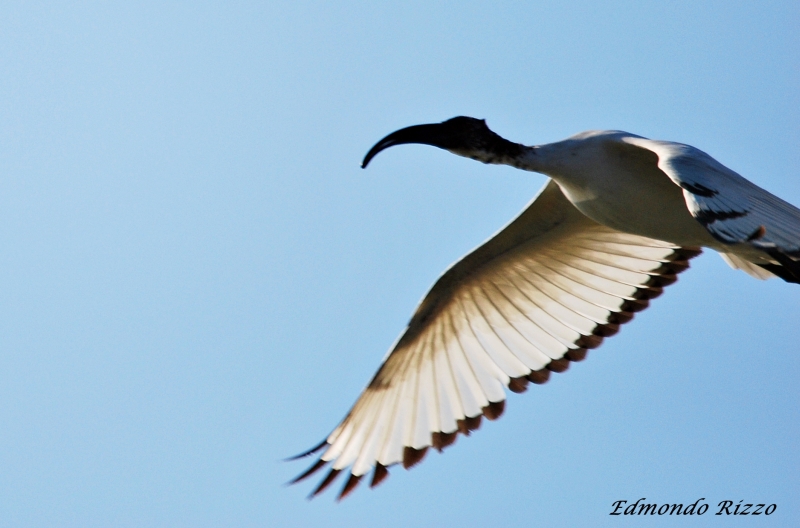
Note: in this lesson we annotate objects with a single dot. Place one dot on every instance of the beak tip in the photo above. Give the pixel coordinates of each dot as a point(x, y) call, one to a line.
point(367, 159)
point(422, 134)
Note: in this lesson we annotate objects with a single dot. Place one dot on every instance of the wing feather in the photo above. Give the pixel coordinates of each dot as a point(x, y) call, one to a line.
point(733, 210)
point(472, 397)
point(514, 336)
point(534, 297)
point(533, 288)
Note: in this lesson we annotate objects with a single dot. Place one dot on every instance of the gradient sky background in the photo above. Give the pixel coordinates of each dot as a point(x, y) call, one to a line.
point(197, 280)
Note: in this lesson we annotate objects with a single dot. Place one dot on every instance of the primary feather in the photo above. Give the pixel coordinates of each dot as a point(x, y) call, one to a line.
point(545, 289)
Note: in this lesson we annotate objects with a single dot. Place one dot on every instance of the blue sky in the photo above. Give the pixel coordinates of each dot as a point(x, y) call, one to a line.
point(198, 280)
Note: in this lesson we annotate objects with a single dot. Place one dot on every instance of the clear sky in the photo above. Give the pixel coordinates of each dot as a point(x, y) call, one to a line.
point(197, 279)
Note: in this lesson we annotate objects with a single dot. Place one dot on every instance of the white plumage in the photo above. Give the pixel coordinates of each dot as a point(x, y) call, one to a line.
point(619, 220)
point(730, 207)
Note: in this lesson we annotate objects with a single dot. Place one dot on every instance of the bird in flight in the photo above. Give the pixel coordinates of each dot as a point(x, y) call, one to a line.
point(619, 219)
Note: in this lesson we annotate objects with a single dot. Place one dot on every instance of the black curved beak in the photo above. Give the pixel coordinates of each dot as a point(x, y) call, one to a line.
point(422, 134)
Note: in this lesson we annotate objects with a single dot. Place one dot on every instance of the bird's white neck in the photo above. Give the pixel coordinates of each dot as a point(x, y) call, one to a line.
point(533, 159)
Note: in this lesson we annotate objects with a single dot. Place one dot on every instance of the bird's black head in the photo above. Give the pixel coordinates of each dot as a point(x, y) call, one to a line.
point(465, 136)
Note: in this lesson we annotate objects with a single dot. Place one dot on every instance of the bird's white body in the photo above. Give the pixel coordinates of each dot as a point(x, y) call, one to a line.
point(635, 185)
point(621, 217)
point(620, 186)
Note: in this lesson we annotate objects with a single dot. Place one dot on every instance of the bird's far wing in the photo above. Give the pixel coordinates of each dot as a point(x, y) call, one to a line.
point(731, 208)
point(549, 286)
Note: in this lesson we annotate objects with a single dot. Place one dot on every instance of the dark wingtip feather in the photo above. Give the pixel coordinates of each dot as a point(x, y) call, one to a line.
point(441, 440)
point(349, 486)
point(494, 410)
point(325, 482)
point(634, 305)
point(310, 471)
point(685, 253)
point(378, 475)
point(539, 376)
point(412, 457)
point(647, 293)
point(606, 330)
point(309, 452)
point(660, 281)
point(558, 365)
point(620, 317)
point(589, 341)
point(518, 385)
point(576, 354)
point(469, 424)
point(672, 267)
point(474, 422)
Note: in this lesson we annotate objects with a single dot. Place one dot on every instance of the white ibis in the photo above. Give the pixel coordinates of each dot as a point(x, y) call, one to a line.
point(621, 216)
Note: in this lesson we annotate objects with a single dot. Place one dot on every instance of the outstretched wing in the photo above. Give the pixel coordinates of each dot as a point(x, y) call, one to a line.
point(731, 208)
point(546, 288)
